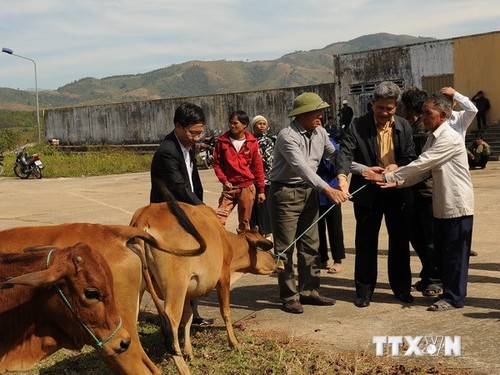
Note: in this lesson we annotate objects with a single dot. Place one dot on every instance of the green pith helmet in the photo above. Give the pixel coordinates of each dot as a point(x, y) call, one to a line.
point(307, 102)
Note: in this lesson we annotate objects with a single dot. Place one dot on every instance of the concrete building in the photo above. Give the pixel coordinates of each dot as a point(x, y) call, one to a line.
point(468, 63)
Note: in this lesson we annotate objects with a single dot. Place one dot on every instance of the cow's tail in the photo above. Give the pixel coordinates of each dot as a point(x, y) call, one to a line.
point(181, 216)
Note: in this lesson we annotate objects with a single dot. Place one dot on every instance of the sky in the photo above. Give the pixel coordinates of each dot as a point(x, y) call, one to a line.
point(71, 40)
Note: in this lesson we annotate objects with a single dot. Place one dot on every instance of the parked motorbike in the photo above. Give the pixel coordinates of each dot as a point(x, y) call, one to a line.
point(205, 152)
point(1, 164)
point(26, 166)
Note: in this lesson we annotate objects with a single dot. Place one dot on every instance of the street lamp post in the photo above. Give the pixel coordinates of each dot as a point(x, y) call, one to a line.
point(11, 52)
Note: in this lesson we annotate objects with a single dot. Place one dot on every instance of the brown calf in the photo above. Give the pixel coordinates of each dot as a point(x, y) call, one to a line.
point(65, 299)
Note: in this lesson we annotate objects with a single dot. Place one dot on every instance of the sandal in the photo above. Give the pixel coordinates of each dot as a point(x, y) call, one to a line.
point(327, 265)
point(336, 268)
point(432, 290)
point(440, 305)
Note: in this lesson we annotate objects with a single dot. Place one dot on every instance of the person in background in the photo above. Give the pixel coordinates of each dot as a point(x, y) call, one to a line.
point(331, 221)
point(379, 139)
point(444, 157)
point(478, 152)
point(346, 114)
point(332, 128)
point(238, 166)
point(422, 224)
point(173, 165)
point(293, 196)
point(483, 105)
point(260, 211)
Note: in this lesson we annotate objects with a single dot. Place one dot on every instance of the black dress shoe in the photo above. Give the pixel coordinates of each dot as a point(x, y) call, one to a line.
point(293, 306)
point(317, 300)
point(362, 302)
point(404, 297)
point(202, 322)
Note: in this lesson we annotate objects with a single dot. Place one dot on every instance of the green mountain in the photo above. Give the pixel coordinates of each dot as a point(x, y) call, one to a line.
point(195, 78)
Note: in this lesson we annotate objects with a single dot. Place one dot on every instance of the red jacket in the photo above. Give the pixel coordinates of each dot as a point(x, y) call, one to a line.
point(242, 168)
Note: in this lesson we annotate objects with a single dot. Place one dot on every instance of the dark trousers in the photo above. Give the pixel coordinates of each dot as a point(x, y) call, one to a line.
point(260, 214)
point(481, 163)
point(481, 120)
point(368, 221)
point(422, 238)
point(452, 241)
point(332, 222)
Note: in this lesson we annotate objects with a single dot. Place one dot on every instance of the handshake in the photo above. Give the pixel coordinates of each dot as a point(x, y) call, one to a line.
point(377, 175)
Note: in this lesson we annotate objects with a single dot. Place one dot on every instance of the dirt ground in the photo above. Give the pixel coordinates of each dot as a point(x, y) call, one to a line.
point(254, 299)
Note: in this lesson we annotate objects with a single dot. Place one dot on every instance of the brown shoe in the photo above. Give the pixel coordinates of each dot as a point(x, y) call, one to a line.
point(317, 300)
point(293, 306)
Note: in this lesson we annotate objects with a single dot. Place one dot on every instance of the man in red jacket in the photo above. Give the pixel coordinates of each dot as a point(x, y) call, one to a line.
point(238, 166)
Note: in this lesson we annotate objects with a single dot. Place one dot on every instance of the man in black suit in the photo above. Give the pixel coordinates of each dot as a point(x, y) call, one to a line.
point(174, 164)
point(379, 139)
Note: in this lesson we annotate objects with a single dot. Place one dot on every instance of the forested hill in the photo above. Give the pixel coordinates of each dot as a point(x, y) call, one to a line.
point(194, 78)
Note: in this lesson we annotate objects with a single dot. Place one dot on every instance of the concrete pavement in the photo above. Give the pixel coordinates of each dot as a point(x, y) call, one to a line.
point(255, 302)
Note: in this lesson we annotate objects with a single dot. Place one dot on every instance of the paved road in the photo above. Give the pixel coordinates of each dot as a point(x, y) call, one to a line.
point(343, 327)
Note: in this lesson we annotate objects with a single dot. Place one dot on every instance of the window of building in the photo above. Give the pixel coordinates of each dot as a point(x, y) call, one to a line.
point(368, 87)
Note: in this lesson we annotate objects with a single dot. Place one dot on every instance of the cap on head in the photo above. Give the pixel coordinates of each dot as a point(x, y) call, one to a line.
point(344, 101)
point(258, 118)
point(307, 102)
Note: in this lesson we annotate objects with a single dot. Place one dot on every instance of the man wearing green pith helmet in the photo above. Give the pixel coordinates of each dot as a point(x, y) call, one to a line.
point(294, 200)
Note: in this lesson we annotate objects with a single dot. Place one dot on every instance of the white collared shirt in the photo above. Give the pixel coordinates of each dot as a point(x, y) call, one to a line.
point(187, 160)
point(444, 157)
point(461, 120)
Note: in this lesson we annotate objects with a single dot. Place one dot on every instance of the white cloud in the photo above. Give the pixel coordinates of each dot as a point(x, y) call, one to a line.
point(72, 40)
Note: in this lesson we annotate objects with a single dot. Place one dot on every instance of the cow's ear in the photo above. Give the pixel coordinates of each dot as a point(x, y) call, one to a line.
point(40, 278)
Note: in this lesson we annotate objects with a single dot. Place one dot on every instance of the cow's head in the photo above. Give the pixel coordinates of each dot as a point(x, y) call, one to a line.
point(80, 300)
point(262, 260)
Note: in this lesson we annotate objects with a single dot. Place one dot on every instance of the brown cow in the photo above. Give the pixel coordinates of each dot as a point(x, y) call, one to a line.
point(69, 302)
point(114, 243)
point(180, 280)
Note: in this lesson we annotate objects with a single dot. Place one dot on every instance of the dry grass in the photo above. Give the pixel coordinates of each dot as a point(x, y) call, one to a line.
point(258, 355)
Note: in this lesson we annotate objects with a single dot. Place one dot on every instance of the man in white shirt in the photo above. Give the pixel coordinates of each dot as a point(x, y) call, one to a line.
point(460, 120)
point(444, 157)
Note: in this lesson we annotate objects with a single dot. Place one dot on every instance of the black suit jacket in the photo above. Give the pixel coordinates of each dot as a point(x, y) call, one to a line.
point(360, 144)
point(168, 165)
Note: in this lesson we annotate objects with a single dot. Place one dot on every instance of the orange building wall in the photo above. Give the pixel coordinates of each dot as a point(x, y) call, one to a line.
point(476, 61)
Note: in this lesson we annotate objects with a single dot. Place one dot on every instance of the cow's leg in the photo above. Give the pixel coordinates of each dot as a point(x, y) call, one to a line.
point(126, 278)
point(173, 308)
point(187, 318)
point(223, 294)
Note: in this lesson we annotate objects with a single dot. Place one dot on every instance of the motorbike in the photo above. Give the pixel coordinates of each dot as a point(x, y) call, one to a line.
point(1, 164)
point(26, 166)
point(205, 152)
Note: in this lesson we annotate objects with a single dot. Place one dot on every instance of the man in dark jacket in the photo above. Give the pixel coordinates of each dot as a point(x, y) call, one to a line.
point(483, 105)
point(174, 165)
point(379, 139)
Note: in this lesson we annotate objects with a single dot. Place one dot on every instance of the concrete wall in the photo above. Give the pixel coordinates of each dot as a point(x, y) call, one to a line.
point(149, 121)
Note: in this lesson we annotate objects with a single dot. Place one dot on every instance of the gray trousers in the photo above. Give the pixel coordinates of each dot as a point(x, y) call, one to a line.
point(293, 210)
